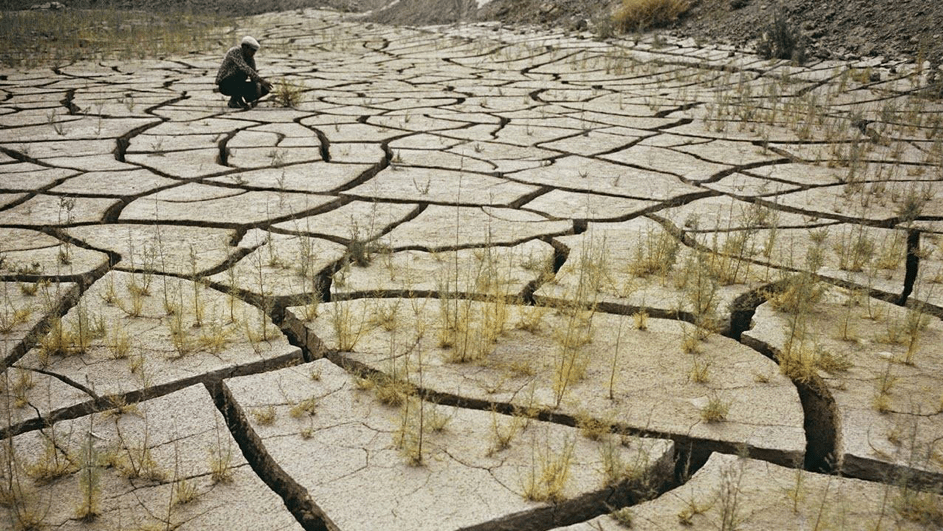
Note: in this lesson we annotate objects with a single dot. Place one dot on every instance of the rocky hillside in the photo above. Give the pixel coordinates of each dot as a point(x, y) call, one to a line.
point(832, 28)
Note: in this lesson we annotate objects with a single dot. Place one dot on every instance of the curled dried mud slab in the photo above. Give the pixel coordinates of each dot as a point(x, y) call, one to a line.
point(878, 363)
point(144, 333)
point(169, 461)
point(573, 362)
point(751, 494)
point(340, 441)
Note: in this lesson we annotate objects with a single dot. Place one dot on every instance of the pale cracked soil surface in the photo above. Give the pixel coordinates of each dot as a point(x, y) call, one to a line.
point(479, 277)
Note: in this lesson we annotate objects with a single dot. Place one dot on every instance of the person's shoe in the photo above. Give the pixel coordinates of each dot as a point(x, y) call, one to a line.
point(237, 104)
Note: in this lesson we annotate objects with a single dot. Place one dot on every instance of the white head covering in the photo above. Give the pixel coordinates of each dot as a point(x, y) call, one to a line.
point(250, 42)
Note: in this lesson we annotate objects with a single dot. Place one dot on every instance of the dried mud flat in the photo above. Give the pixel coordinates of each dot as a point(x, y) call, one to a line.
point(479, 277)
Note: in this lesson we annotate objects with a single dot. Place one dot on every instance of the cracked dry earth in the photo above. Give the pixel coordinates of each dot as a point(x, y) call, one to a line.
point(479, 278)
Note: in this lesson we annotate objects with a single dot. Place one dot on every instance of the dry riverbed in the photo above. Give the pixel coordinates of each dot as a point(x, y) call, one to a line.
point(476, 277)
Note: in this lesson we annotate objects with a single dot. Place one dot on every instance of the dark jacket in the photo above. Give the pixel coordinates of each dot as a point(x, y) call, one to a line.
point(237, 65)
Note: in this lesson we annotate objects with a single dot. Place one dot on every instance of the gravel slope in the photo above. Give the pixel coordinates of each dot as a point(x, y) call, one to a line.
point(833, 28)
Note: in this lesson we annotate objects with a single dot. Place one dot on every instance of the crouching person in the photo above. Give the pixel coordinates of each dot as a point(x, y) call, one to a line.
point(238, 77)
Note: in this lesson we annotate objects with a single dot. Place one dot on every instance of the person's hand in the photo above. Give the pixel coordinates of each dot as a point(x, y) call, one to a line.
point(268, 86)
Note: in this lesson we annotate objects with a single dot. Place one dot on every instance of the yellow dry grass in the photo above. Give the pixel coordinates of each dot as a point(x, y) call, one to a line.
point(647, 14)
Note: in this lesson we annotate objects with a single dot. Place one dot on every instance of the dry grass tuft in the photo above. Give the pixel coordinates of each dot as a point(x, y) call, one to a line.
point(549, 474)
point(38, 37)
point(288, 94)
point(647, 14)
point(715, 410)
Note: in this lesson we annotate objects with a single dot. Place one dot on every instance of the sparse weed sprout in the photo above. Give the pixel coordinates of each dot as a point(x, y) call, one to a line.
point(389, 391)
point(221, 465)
point(656, 254)
point(715, 410)
point(924, 508)
point(306, 407)
point(798, 294)
point(503, 433)
point(623, 516)
point(53, 464)
point(592, 428)
point(185, 492)
point(549, 473)
point(288, 94)
point(779, 40)
point(136, 462)
point(692, 509)
point(700, 370)
point(10, 318)
point(264, 416)
point(831, 362)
